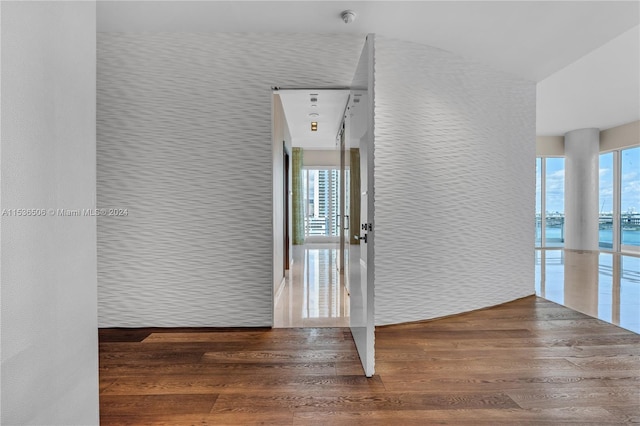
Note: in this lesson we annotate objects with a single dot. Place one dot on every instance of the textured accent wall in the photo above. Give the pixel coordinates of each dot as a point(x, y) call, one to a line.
point(454, 168)
point(185, 144)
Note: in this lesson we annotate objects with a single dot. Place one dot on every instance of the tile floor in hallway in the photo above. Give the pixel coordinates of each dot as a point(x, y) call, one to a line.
point(600, 284)
point(313, 295)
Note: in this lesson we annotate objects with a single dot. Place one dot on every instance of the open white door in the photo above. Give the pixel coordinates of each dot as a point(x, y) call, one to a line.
point(360, 115)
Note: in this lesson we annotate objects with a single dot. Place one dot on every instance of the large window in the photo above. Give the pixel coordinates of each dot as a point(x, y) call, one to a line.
point(550, 202)
point(618, 207)
point(606, 193)
point(554, 202)
point(538, 202)
point(321, 202)
point(630, 199)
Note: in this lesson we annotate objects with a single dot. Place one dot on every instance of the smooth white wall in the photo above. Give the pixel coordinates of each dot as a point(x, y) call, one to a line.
point(455, 175)
point(49, 369)
point(604, 83)
point(185, 143)
point(321, 158)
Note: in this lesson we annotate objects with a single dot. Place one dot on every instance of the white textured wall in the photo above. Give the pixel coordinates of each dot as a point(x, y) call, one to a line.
point(454, 169)
point(49, 322)
point(185, 143)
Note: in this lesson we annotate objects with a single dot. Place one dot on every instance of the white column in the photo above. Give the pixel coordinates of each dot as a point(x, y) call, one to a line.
point(582, 154)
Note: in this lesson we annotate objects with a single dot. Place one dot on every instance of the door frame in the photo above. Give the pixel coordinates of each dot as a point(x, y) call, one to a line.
point(366, 351)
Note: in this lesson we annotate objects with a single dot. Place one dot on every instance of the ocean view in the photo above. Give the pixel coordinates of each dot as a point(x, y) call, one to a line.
point(554, 237)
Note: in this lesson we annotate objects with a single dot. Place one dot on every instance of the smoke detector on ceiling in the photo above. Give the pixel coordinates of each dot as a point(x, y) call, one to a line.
point(348, 16)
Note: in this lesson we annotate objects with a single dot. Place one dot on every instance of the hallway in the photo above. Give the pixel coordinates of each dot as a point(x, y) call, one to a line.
point(312, 295)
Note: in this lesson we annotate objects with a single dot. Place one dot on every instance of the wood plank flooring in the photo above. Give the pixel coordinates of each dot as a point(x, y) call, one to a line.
point(525, 362)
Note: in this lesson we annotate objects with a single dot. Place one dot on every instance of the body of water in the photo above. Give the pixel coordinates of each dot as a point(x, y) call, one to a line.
point(629, 238)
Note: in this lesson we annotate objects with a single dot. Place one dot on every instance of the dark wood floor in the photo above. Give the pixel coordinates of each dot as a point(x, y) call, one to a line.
point(526, 362)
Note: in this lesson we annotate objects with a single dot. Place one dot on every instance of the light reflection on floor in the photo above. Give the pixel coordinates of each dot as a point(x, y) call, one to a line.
point(313, 295)
point(599, 284)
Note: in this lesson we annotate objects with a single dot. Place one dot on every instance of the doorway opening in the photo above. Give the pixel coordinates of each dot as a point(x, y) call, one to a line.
point(314, 292)
point(323, 141)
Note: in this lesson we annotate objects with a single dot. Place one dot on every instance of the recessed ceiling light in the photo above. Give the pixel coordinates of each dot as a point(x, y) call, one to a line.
point(314, 126)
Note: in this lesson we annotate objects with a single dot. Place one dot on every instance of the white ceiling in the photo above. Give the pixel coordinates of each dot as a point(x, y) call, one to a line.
point(330, 106)
point(531, 39)
point(601, 89)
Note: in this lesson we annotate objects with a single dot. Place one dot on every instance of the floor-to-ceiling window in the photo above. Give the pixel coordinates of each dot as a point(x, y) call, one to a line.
point(619, 201)
point(607, 201)
point(550, 202)
point(630, 199)
point(538, 202)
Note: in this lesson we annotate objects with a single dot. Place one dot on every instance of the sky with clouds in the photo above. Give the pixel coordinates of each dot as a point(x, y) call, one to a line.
point(630, 184)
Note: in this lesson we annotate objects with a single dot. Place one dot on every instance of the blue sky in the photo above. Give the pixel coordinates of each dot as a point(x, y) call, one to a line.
point(606, 183)
point(555, 185)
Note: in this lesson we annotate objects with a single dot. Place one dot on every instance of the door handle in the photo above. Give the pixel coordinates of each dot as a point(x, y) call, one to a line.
point(346, 221)
point(363, 238)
